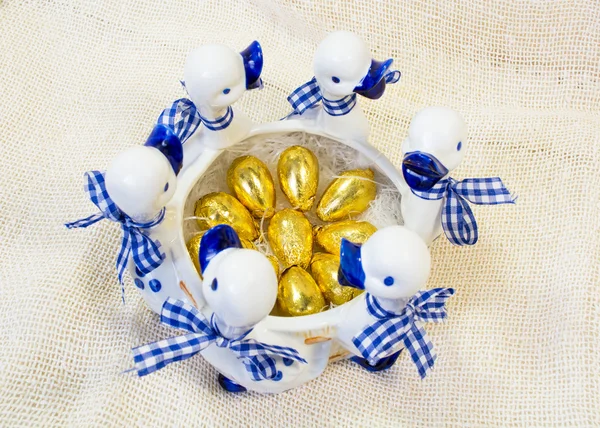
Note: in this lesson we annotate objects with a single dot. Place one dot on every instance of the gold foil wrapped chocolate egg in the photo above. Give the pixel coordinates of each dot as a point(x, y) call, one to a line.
point(291, 238)
point(351, 193)
point(221, 208)
point(250, 181)
point(330, 235)
point(193, 247)
point(324, 268)
point(275, 264)
point(298, 172)
point(298, 293)
point(249, 245)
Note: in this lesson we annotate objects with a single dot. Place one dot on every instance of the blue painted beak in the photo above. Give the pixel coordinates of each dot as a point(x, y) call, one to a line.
point(373, 84)
point(351, 272)
point(422, 171)
point(164, 139)
point(253, 64)
point(214, 241)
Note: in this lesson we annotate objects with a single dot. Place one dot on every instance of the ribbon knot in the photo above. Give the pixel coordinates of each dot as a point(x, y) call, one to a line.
point(145, 252)
point(258, 358)
point(392, 331)
point(458, 220)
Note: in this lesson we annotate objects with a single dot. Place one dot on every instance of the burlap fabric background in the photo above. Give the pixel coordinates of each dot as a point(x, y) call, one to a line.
point(80, 81)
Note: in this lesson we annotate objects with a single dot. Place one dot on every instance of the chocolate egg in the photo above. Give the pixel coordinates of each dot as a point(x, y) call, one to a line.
point(221, 208)
point(351, 193)
point(193, 247)
point(291, 239)
point(324, 268)
point(275, 264)
point(298, 293)
point(250, 181)
point(298, 172)
point(330, 235)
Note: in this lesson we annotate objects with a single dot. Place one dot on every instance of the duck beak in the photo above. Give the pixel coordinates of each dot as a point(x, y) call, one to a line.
point(373, 84)
point(253, 64)
point(168, 143)
point(351, 272)
point(422, 170)
point(214, 241)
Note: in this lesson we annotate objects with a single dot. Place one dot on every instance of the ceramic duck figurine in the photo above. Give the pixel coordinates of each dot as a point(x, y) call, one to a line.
point(343, 68)
point(240, 289)
point(432, 201)
point(134, 192)
point(215, 77)
point(392, 266)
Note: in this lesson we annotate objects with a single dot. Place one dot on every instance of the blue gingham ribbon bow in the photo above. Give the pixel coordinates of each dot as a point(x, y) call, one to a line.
point(308, 95)
point(258, 358)
point(458, 220)
point(144, 251)
point(393, 331)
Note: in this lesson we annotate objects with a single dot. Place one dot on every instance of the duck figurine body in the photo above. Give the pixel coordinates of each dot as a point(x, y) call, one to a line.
point(215, 77)
point(343, 68)
point(240, 289)
point(432, 201)
point(392, 266)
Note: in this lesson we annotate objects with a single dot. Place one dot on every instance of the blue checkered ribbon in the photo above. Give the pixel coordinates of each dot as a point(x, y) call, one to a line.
point(258, 358)
point(458, 220)
point(308, 95)
point(144, 251)
point(394, 331)
point(184, 118)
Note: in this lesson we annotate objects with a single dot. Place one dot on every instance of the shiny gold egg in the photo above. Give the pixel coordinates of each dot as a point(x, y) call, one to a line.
point(291, 239)
point(249, 245)
point(357, 292)
point(250, 181)
point(298, 172)
point(220, 208)
point(351, 193)
point(324, 268)
point(193, 247)
point(298, 293)
point(330, 236)
point(275, 264)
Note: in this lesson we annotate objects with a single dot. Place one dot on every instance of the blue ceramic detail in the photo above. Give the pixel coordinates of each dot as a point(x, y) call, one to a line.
point(288, 361)
point(214, 241)
point(459, 146)
point(139, 272)
point(278, 376)
point(229, 385)
point(383, 364)
point(166, 187)
point(335, 79)
point(253, 64)
point(155, 285)
point(214, 285)
point(351, 273)
point(422, 171)
point(226, 91)
point(373, 84)
point(388, 281)
point(139, 283)
point(164, 139)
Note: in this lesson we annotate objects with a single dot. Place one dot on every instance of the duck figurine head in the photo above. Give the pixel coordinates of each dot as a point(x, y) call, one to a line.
point(216, 76)
point(142, 179)
point(436, 144)
point(394, 263)
point(343, 66)
point(239, 284)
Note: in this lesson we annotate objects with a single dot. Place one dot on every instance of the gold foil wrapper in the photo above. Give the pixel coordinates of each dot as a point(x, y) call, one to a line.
point(324, 268)
point(298, 294)
point(298, 172)
point(291, 238)
point(193, 247)
point(250, 181)
point(275, 264)
point(221, 208)
point(351, 193)
point(249, 245)
point(329, 236)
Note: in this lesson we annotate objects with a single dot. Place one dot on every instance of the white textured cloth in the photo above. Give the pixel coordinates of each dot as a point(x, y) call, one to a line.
point(82, 80)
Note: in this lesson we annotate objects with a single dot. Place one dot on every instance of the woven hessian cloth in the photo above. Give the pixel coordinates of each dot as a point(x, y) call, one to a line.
point(80, 81)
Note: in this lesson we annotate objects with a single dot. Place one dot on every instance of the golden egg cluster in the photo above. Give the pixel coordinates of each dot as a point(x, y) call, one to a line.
point(305, 257)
